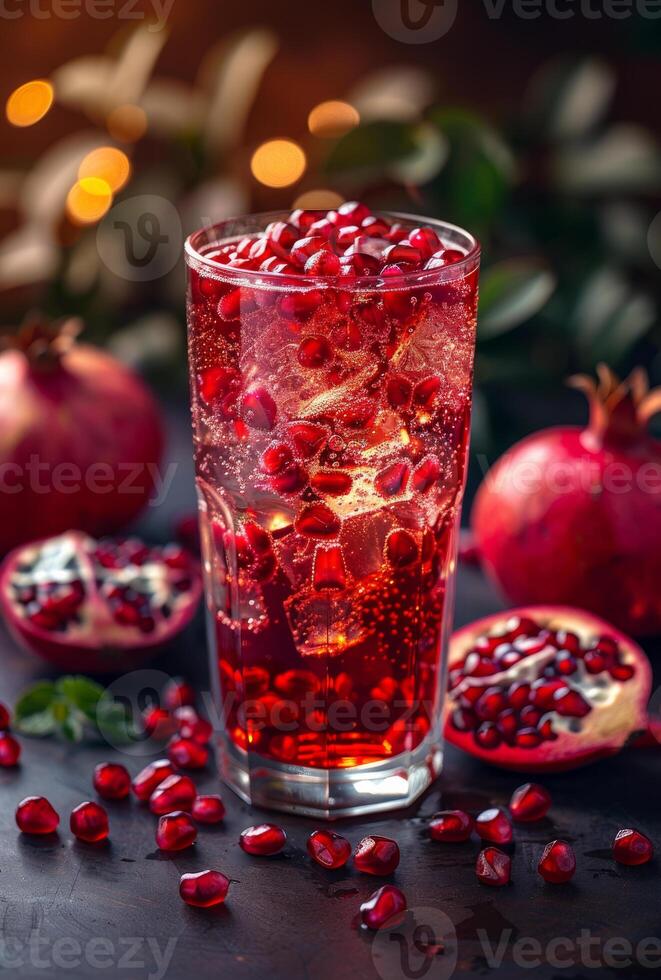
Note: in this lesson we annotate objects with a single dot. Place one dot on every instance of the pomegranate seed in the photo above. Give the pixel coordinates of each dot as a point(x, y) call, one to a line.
point(323, 228)
point(328, 569)
point(494, 825)
point(452, 826)
point(508, 724)
point(527, 738)
point(111, 781)
point(384, 906)
point(425, 392)
point(322, 263)
point(204, 889)
point(175, 831)
point(35, 815)
point(187, 753)
point(426, 474)
point(291, 480)
point(263, 840)
point(487, 735)
point(375, 227)
point(464, 720)
point(303, 219)
point(401, 252)
point(493, 867)
point(5, 719)
point(208, 809)
point(150, 777)
point(274, 458)
point(347, 236)
point(489, 705)
point(607, 646)
point(621, 672)
point(309, 439)
point(477, 666)
point(518, 695)
point(425, 240)
point(401, 548)
point(632, 848)
point(174, 793)
point(376, 855)
point(392, 480)
point(10, 750)
point(570, 704)
point(229, 306)
point(558, 862)
point(530, 802)
point(258, 409)
point(545, 729)
point(300, 306)
point(159, 723)
point(542, 692)
point(594, 662)
point(328, 849)
point(349, 337)
point(317, 521)
point(452, 255)
point(530, 716)
point(399, 391)
point(305, 248)
point(314, 352)
point(281, 233)
point(331, 482)
point(565, 663)
point(564, 640)
point(358, 416)
point(177, 693)
point(89, 822)
point(353, 212)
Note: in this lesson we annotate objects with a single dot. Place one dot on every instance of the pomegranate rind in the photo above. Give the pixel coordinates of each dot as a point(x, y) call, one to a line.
point(101, 645)
point(605, 731)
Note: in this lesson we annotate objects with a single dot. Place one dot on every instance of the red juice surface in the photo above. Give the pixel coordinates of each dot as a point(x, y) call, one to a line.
point(331, 424)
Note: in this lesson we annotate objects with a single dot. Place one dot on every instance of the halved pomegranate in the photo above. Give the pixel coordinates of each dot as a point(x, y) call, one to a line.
point(544, 689)
point(96, 606)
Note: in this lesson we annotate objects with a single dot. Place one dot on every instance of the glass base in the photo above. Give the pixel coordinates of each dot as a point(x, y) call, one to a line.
point(330, 793)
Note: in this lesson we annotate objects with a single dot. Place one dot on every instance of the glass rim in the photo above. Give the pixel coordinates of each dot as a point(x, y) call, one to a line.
point(210, 235)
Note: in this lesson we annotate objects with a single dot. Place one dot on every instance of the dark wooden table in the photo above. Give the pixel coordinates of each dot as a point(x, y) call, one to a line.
point(74, 910)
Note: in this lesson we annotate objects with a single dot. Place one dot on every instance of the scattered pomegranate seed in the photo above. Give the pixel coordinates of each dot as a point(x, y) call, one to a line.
point(376, 855)
point(314, 351)
point(384, 906)
point(5, 718)
point(401, 548)
point(494, 825)
point(328, 570)
point(111, 781)
point(35, 815)
point(530, 802)
point(331, 482)
point(493, 867)
point(187, 753)
point(159, 723)
point(191, 725)
point(89, 822)
point(392, 480)
point(258, 409)
point(632, 848)
point(208, 809)
point(425, 240)
point(300, 306)
point(174, 793)
point(149, 778)
point(10, 750)
point(175, 831)
point(328, 849)
point(426, 474)
point(204, 889)
point(317, 521)
point(177, 693)
point(309, 439)
point(264, 840)
point(322, 263)
point(452, 826)
point(558, 862)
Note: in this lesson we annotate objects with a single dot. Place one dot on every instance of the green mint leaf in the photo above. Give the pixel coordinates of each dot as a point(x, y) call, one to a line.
point(80, 692)
point(39, 723)
point(34, 700)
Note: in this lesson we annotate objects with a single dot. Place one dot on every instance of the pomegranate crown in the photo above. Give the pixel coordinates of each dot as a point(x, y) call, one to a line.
point(619, 410)
point(43, 341)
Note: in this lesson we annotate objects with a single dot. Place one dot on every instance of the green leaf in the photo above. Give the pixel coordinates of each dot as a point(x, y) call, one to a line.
point(39, 723)
point(35, 700)
point(114, 722)
point(80, 692)
point(611, 316)
point(511, 292)
point(474, 183)
point(370, 150)
point(569, 97)
point(626, 159)
point(73, 728)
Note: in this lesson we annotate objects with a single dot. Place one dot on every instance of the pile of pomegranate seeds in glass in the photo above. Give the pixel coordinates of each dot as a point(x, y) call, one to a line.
point(348, 242)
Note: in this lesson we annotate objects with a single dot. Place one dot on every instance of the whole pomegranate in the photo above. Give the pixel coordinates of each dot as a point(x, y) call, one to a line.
point(80, 436)
point(573, 516)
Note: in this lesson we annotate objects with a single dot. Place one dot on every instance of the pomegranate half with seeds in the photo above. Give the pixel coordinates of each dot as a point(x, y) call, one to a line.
point(96, 606)
point(544, 689)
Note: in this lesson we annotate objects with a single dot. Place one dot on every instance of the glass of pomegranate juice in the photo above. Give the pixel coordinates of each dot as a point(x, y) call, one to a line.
point(331, 360)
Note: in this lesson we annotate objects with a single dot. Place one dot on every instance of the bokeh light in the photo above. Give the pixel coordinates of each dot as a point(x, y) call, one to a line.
point(332, 119)
point(108, 164)
point(127, 123)
point(319, 200)
point(88, 200)
point(29, 102)
point(278, 163)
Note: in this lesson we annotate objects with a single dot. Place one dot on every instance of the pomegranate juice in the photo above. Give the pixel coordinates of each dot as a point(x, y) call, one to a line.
point(331, 360)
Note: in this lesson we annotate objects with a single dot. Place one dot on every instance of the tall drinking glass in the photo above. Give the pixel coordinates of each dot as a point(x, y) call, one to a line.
point(331, 421)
